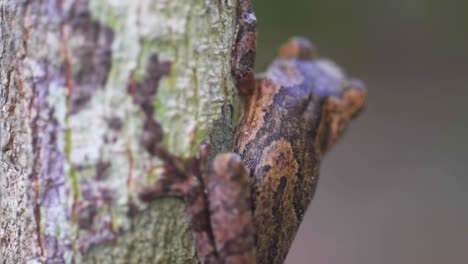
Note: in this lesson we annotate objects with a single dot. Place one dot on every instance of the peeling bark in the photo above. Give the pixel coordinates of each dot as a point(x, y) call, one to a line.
point(87, 87)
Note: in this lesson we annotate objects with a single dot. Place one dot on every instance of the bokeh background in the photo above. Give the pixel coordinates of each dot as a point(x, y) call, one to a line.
point(395, 189)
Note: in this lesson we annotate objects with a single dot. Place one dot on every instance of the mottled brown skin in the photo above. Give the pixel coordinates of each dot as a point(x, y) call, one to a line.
point(295, 112)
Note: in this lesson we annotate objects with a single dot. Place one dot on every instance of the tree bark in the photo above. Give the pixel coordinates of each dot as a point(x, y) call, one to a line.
point(87, 88)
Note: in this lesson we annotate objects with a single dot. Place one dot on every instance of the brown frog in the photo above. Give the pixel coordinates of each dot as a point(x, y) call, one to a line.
point(246, 207)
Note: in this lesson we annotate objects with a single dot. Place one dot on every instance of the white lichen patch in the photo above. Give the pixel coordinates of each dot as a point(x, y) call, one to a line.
point(87, 129)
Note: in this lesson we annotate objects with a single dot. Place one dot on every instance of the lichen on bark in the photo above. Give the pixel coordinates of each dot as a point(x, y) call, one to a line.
point(72, 157)
point(16, 214)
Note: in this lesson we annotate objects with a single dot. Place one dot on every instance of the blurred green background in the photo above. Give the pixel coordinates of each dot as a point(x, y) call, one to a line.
point(395, 189)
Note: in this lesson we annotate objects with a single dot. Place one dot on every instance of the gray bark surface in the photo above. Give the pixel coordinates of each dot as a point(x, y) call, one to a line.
point(86, 87)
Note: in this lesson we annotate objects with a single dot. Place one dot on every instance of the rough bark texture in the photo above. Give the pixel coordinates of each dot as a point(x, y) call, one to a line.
point(87, 87)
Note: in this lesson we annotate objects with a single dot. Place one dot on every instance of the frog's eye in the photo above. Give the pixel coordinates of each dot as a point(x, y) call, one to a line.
point(298, 48)
point(250, 18)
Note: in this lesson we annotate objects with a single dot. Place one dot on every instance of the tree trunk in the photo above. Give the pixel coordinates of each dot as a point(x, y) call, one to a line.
point(87, 88)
